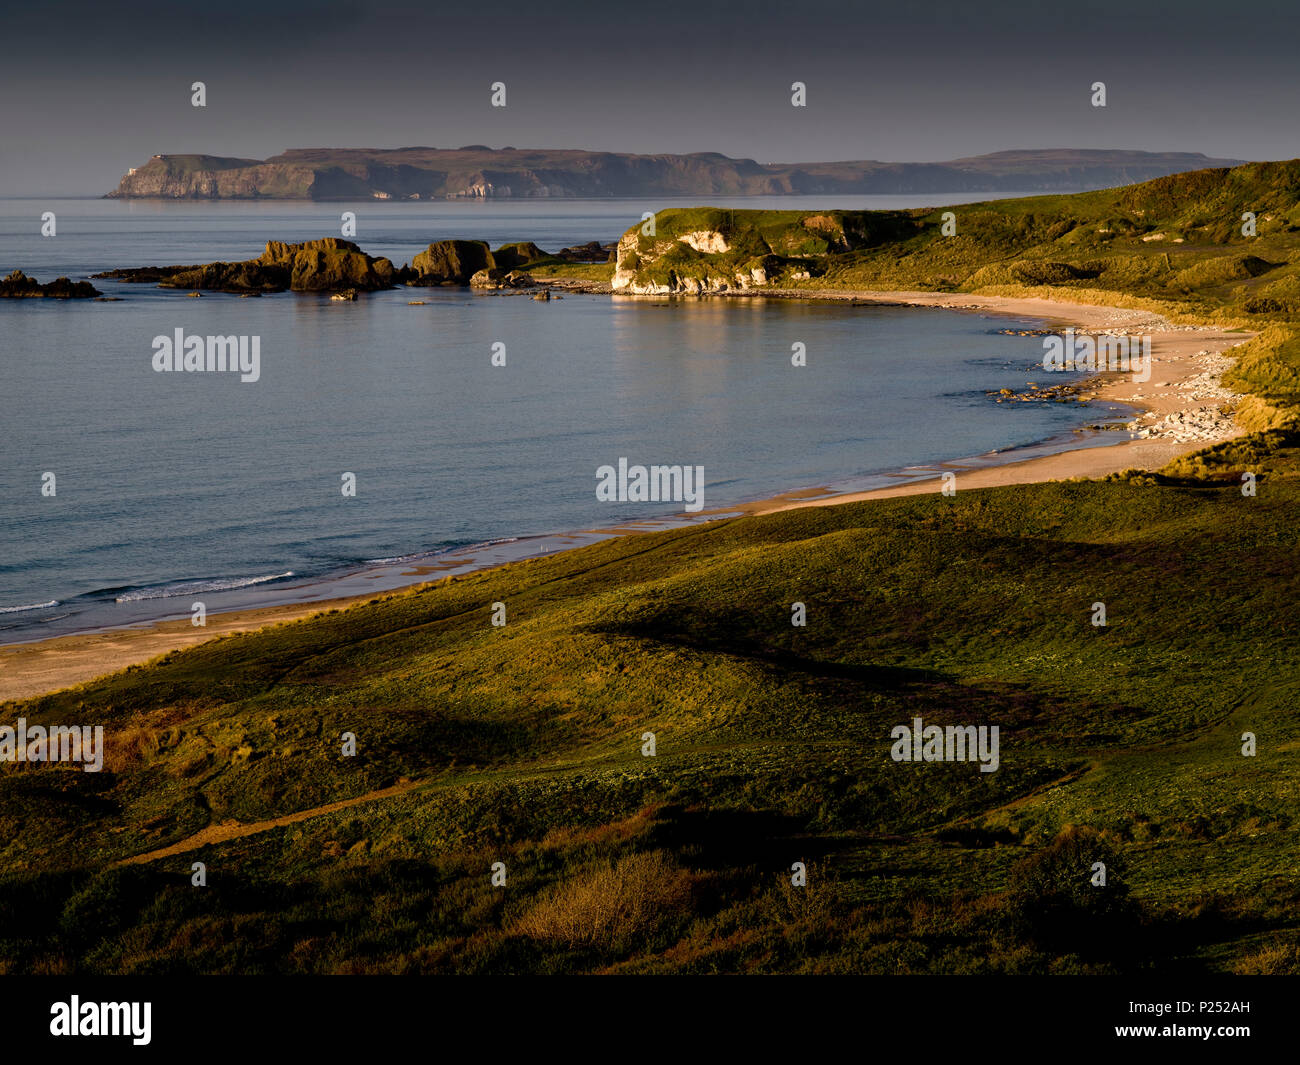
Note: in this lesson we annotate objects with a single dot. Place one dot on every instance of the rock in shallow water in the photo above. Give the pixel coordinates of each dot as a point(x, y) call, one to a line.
point(328, 265)
point(19, 286)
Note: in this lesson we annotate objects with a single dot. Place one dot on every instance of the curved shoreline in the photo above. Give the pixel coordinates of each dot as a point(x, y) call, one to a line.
point(50, 664)
point(1183, 358)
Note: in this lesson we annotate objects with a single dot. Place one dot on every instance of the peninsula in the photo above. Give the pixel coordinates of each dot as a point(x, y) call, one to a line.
point(479, 172)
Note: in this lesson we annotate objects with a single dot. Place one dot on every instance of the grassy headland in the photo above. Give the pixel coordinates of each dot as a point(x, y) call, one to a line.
point(1173, 245)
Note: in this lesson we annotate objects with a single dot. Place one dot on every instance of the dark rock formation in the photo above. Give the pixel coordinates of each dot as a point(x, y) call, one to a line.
point(19, 286)
point(250, 276)
point(334, 265)
point(451, 262)
point(509, 256)
point(328, 265)
point(496, 277)
point(591, 252)
point(143, 274)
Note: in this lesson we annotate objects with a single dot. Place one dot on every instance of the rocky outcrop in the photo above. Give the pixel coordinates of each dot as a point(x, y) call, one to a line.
point(19, 286)
point(706, 241)
point(591, 252)
point(451, 262)
point(496, 277)
point(250, 276)
point(509, 256)
point(328, 265)
point(143, 275)
point(702, 250)
point(335, 265)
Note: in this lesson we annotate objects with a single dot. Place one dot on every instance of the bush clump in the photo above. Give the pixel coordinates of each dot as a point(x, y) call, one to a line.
point(611, 904)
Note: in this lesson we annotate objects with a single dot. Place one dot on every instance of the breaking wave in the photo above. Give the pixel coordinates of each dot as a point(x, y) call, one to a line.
point(219, 584)
point(29, 606)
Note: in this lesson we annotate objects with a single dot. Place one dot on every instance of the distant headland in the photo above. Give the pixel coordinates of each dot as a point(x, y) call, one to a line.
point(479, 172)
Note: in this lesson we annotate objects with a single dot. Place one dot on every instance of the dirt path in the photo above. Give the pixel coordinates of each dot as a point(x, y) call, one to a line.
point(229, 830)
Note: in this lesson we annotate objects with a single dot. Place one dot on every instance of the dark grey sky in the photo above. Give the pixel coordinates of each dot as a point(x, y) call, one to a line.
point(92, 89)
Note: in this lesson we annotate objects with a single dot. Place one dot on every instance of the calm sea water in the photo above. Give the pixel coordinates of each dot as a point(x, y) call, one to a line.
point(176, 485)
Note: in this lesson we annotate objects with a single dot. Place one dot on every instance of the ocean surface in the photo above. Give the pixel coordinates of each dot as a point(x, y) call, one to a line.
point(172, 487)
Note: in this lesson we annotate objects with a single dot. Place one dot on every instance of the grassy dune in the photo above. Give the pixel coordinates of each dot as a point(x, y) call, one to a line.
point(522, 744)
point(1119, 744)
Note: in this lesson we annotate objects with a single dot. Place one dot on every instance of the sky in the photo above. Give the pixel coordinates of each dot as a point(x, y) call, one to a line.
point(90, 90)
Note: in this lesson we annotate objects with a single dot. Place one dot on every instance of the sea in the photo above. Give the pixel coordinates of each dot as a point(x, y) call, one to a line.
point(127, 495)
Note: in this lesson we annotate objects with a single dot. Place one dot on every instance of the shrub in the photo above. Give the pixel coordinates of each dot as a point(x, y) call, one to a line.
point(103, 906)
point(1227, 460)
point(612, 903)
point(1045, 273)
point(1054, 902)
point(1277, 959)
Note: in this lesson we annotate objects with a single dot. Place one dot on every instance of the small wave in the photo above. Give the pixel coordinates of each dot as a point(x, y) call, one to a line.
point(406, 560)
point(29, 606)
point(438, 552)
point(221, 584)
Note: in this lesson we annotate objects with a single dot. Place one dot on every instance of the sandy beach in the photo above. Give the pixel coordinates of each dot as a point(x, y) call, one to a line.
point(1179, 405)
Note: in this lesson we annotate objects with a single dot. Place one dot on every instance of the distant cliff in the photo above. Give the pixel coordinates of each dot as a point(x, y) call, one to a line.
point(479, 172)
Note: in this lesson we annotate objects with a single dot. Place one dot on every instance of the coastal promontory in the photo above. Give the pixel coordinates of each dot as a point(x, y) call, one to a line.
point(477, 172)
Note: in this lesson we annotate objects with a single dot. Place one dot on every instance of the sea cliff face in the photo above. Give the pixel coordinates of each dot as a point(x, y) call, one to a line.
point(701, 250)
point(478, 172)
point(205, 177)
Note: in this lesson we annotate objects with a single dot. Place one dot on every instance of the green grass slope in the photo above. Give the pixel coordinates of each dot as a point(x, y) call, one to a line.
point(522, 745)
